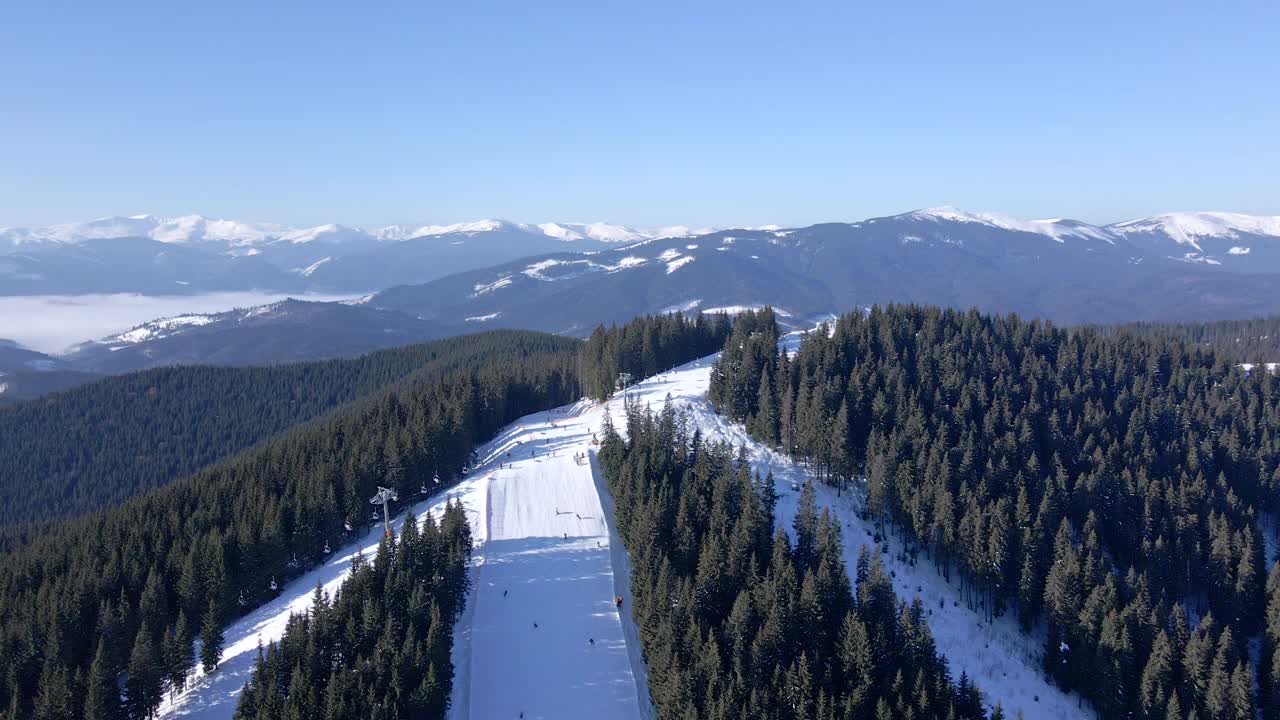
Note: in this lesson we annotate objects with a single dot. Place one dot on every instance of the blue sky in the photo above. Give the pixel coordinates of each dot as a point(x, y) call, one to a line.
point(640, 113)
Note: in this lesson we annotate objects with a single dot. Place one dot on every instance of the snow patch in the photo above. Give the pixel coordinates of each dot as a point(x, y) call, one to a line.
point(678, 263)
point(483, 318)
point(629, 261)
point(159, 328)
point(1237, 250)
point(484, 288)
point(470, 228)
point(308, 270)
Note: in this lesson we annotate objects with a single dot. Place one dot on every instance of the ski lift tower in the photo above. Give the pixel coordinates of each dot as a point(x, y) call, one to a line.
point(624, 379)
point(384, 497)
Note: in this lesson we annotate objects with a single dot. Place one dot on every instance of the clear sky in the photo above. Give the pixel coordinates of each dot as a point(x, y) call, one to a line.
point(635, 112)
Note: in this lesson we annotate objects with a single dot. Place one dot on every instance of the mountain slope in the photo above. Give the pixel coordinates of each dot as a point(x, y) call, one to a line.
point(109, 440)
point(1064, 270)
point(286, 331)
point(193, 253)
point(25, 374)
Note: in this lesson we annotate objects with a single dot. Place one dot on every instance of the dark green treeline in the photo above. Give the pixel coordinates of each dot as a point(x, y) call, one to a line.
point(112, 590)
point(102, 443)
point(646, 346)
point(379, 650)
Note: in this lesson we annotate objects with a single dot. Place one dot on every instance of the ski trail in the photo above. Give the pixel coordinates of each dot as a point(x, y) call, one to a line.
point(546, 638)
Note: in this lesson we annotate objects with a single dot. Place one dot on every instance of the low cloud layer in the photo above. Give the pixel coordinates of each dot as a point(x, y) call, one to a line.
point(53, 323)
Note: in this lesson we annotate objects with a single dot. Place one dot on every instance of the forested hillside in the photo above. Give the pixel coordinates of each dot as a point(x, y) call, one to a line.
point(132, 580)
point(380, 647)
point(1255, 340)
point(1110, 485)
point(126, 588)
point(646, 346)
point(104, 442)
point(739, 621)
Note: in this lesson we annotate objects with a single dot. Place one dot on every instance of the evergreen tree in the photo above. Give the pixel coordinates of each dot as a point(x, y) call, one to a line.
point(145, 686)
point(211, 636)
point(102, 694)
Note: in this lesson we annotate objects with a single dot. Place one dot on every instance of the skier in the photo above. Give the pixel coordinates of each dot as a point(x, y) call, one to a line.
point(504, 593)
point(592, 641)
point(577, 515)
point(535, 625)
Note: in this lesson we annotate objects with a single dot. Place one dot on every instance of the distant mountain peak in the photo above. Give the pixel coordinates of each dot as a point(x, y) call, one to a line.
point(1187, 228)
point(1059, 229)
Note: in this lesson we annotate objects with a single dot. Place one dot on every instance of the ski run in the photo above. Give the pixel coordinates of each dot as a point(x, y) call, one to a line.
point(543, 636)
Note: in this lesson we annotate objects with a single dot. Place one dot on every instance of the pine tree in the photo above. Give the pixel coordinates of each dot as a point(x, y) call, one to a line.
point(145, 686)
point(211, 636)
point(102, 695)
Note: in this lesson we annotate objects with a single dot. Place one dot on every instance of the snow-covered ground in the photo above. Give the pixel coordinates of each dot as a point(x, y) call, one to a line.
point(547, 553)
point(541, 634)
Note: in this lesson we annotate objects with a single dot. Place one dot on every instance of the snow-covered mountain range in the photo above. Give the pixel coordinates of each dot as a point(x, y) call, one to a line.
point(200, 229)
point(148, 254)
point(434, 281)
point(1199, 266)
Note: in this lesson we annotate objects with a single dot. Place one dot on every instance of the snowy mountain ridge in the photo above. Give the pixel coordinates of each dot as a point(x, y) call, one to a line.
point(192, 229)
point(1188, 228)
point(1184, 228)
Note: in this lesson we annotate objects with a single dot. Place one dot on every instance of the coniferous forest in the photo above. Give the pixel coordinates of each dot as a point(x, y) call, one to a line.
point(122, 592)
point(1114, 486)
point(738, 620)
point(646, 346)
point(126, 588)
point(102, 443)
point(380, 648)
point(1253, 340)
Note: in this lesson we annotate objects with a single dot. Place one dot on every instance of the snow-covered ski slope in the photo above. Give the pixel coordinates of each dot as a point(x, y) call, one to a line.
point(547, 552)
point(541, 636)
